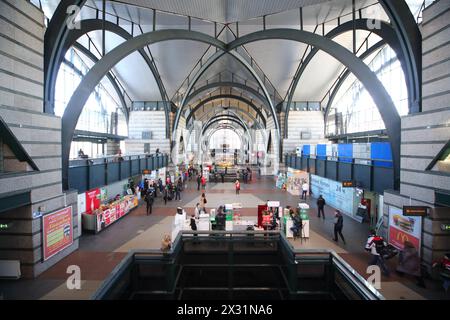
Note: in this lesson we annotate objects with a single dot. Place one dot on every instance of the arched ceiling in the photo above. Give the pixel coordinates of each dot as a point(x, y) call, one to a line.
point(277, 60)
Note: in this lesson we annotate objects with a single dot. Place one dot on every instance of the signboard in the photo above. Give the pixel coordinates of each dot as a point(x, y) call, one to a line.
point(81, 203)
point(92, 200)
point(445, 227)
point(57, 231)
point(415, 211)
point(273, 204)
point(348, 184)
point(294, 181)
point(403, 228)
point(335, 195)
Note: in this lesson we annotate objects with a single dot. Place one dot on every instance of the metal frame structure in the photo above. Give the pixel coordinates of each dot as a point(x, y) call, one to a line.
point(353, 63)
point(110, 77)
point(386, 32)
point(227, 96)
point(226, 84)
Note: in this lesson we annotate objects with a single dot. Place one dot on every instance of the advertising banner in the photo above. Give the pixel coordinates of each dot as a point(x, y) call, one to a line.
point(295, 180)
point(281, 180)
point(57, 231)
point(402, 228)
point(334, 194)
point(92, 200)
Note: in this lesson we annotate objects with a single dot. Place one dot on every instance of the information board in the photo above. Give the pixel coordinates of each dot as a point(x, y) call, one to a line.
point(57, 231)
point(403, 228)
point(334, 194)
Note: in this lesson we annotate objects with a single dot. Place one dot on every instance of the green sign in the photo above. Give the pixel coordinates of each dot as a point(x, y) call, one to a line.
point(445, 227)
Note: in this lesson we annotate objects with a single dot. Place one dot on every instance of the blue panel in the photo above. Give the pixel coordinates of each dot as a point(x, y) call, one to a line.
point(331, 170)
point(298, 162)
point(321, 150)
point(381, 151)
point(362, 175)
point(304, 165)
point(151, 163)
point(78, 178)
point(113, 172)
point(320, 168)
point(312, 165)
point(345, 152)
point(344, 171)
point(306, 150)
point(143, 164)
point(97, 176)
point(383, 179)
point(134, 167)
point(125, 169)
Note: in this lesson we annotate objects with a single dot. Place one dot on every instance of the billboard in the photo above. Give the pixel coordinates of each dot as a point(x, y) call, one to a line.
point(93, 199)
point(403, 228)
point(334, 194)
point(57, 231)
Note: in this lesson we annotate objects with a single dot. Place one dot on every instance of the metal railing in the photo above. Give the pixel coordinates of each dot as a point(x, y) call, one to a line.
point(336, 271)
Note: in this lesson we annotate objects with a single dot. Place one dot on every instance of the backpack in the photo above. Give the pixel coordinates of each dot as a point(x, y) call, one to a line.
point(379, 244)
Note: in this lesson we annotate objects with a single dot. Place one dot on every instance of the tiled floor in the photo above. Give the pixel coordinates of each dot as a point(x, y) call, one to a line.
point(99, 254)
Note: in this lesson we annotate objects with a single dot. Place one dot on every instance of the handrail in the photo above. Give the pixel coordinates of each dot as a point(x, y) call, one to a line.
point(357, 282)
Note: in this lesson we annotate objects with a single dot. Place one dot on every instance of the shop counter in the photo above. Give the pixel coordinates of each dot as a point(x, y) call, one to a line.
point(107, 214)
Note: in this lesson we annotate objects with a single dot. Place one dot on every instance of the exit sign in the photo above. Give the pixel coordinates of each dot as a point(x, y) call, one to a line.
point(348, 184)
point(146, 171)
point(445, 227)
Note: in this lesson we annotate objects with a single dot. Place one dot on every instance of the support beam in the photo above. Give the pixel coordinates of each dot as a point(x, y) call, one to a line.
point(345, 75)
point(230, 84)
point(54, 38)
point(90, 25)
point(227, 96)
point(385, 31)
point(110, 77)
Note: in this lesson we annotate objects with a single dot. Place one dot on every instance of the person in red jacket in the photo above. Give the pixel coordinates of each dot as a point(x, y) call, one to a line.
point(237, 185)
point(203, 182)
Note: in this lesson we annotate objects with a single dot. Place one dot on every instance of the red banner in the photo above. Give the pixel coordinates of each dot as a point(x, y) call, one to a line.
point(57, 230)
point(92, 200)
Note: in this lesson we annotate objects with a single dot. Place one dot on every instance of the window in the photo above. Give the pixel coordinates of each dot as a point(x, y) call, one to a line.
point(355, 107)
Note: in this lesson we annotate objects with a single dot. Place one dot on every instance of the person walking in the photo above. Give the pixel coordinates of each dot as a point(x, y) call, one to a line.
point(305, 189)
point(203, 202)
point(409, 263)
point(338, 226)
point(177, 192)
point(199, 181)
point(203, 182)
point(237, 185)
point(320, 207)
point(149, 200)
point(222, 175)
point(375, 245)
point(166, 194)
point(197, 211)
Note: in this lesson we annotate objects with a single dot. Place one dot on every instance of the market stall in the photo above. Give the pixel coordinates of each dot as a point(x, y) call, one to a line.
point(109, 212)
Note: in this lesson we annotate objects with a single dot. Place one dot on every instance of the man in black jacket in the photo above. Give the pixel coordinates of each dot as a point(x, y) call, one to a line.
point(320, 205)
point(199, 181)
point(149, 200)
point(338, 225)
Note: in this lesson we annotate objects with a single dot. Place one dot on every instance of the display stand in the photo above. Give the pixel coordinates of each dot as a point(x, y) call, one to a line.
point(304, 209)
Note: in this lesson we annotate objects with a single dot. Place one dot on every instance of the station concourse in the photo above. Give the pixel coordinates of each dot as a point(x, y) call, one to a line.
point(227, 150)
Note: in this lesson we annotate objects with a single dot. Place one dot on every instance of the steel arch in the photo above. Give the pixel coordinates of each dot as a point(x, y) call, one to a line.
point(110, 77)
point(227, 96)
point(341, 81)
point(370, 81)
point(226, 84)
point(361, 71)
point(386, 32)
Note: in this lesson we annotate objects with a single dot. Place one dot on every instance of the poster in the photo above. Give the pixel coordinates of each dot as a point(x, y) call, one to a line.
point(57, 231)
point(103, 195)
point(403, 229)
point(92, 200)
point(295, 180)
point(281, 180)
point(81, 208)
point(335, 196)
